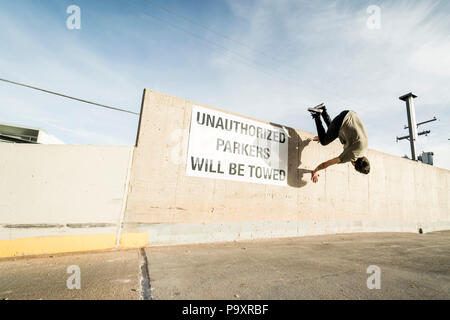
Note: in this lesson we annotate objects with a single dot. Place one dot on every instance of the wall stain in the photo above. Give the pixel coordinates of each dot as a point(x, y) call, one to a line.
point(58, 226)
point(29, 226)
point(90, 225)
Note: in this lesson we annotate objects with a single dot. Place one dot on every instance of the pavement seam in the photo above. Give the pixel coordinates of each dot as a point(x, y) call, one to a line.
point(146, 293)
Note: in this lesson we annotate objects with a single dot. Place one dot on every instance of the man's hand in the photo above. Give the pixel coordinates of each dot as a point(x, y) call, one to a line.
point(315, 176)
point(316, 138)
point(323, 166)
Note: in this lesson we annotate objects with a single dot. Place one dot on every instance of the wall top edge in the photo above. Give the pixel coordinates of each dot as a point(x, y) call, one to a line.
point(148, 92)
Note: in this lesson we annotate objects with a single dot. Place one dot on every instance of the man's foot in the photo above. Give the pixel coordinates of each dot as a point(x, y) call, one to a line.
point(317, 109)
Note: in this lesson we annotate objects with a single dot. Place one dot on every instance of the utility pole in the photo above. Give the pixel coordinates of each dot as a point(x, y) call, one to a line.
point(412, 124)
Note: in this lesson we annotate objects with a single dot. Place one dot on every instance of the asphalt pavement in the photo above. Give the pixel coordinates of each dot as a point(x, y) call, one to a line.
point(347, 266)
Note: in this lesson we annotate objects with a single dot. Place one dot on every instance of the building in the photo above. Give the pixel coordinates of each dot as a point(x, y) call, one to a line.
point(427, 157)
point(20, 134)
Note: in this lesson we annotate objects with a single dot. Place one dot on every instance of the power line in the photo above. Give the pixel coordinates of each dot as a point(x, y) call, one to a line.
point(216, 46)
point(242, 59)
point(188, 19)
point(69, 97)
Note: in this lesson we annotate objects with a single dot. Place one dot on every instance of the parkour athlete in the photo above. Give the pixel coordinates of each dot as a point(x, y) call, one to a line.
point(351, 132)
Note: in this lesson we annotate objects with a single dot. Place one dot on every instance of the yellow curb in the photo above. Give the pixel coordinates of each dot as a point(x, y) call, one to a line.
point(62, 244)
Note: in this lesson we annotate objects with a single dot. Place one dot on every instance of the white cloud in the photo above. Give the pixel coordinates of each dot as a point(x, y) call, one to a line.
point(336, 59)
point(432, 58)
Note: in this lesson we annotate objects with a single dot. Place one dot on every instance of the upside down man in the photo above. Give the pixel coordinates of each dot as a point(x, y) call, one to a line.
point(348, 127)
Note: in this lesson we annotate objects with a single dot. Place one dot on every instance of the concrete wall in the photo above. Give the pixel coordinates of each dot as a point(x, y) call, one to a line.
point(59, 198)
point(64, 198)
point(398, 195)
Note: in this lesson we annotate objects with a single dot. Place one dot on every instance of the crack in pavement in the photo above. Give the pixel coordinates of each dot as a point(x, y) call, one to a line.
point(146, 293)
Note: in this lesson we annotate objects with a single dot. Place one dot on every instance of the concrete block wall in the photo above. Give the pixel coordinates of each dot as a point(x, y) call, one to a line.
point(398, 194)
point(62, 198)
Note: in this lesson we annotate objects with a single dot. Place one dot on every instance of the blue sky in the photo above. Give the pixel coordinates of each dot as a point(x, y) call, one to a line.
point(283, 56)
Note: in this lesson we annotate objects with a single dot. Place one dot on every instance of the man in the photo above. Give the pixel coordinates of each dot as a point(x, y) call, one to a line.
point(352, 134)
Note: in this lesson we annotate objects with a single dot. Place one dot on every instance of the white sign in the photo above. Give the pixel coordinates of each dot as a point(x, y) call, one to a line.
point(224, 146)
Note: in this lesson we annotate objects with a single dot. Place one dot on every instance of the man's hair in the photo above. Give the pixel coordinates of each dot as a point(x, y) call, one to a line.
point(362, 165)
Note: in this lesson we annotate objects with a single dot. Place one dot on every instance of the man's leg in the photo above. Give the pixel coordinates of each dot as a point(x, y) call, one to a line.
point(320, 130)
point(326, 117)
point(333, 129)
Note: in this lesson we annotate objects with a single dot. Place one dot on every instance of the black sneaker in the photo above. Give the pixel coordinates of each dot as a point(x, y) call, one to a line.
point(317, 109)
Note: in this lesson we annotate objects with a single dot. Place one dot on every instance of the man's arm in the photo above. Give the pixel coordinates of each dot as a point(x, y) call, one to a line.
point(323, 166)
